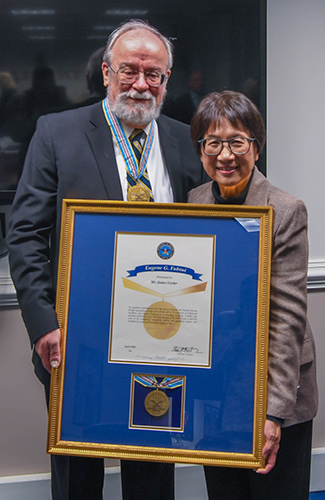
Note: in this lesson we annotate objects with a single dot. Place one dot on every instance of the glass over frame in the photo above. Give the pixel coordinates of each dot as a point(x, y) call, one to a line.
point(187, 382)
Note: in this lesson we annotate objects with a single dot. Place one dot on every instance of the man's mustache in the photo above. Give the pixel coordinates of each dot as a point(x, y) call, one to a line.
point(134, 94)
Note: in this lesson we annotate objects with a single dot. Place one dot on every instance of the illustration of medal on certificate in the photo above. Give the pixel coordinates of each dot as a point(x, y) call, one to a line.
point(162, 299)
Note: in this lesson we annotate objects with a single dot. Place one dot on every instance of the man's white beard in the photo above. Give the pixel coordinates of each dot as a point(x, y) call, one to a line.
point(135, 113)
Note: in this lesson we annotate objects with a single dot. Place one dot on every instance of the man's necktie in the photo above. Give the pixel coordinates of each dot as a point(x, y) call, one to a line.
point(138, 189)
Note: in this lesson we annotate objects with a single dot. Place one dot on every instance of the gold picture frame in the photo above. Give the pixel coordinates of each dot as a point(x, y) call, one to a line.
point(91, 396)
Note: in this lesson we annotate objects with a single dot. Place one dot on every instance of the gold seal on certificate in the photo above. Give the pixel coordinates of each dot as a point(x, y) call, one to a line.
point(138, 193)
point(156, 403)
point(162, 320)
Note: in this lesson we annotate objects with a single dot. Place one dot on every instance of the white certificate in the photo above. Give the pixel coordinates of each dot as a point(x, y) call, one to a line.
point(161, 311)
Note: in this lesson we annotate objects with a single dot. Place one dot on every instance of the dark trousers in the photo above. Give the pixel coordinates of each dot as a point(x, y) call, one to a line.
point(80, 478)
point(288, 480)
point(147, 480)
point(77, 478)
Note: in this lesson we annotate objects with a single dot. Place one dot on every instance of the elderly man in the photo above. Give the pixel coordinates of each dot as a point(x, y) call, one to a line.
point(78, 154)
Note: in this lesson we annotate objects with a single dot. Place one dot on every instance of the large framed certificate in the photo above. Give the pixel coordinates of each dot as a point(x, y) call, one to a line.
point(164, 312)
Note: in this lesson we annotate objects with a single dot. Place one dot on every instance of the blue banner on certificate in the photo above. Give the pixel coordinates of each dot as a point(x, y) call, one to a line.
point(162, 299)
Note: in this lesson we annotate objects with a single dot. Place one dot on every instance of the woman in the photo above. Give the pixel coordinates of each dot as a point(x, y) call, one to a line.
point(228, 134)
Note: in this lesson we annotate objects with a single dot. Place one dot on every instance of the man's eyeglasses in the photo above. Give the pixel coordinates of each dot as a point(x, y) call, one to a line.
point(129, 76)
point(238, 145)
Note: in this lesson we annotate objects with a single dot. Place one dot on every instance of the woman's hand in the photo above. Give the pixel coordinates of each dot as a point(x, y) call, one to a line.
point(272, 433)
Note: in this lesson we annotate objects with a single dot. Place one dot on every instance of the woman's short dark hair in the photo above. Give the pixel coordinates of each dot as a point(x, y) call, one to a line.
point(233, 106)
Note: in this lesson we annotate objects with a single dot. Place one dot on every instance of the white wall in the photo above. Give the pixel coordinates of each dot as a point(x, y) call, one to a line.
point(296, 107)
point(295, 140)
point(316, 301)
point(23, 415)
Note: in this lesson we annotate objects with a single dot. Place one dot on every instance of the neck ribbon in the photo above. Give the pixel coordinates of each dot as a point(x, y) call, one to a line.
point(124, 144)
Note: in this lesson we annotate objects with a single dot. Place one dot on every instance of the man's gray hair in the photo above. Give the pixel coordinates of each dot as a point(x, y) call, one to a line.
point(136, 24)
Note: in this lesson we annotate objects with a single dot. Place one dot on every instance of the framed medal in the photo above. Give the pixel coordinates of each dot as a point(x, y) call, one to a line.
point(164, 316)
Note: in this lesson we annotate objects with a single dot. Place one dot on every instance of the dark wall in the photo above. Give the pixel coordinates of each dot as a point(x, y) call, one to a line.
point(220, 42)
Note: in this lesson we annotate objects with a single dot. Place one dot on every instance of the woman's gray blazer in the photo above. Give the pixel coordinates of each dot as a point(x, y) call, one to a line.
point(292, 389)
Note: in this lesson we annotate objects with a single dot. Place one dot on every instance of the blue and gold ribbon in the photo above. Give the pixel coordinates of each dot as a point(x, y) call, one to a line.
point(166, 383)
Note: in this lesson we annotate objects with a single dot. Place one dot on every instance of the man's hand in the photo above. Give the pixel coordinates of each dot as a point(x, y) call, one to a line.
point(272, 432)
point(48, 349)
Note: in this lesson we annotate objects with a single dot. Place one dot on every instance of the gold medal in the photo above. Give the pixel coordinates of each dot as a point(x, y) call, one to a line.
point(162, 320)
point(156, 403)
point(138, 193)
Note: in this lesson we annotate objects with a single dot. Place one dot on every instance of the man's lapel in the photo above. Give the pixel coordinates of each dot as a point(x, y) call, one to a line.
point(101, 142)
point(172, 157)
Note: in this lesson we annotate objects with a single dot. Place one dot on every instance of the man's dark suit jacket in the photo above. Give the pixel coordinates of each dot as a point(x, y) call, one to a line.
point(72, 156)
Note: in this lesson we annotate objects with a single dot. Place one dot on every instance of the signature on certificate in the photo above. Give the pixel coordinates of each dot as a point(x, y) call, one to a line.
point(185, 349)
